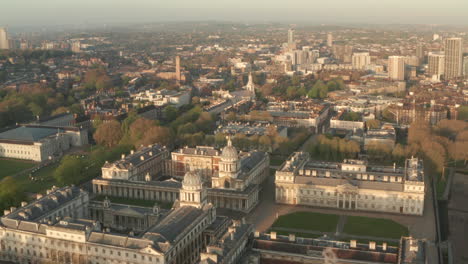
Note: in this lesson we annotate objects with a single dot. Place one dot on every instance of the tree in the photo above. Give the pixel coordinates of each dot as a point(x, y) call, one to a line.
point(157, 135)
point(170, 113)
point(463, 112)
point(108, 134)
point(11, 193)
point(70, 171)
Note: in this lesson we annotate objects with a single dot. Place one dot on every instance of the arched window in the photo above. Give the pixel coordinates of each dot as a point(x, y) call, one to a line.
point(227, 184)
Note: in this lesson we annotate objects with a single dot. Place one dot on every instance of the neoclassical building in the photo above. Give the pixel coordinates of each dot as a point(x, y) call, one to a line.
point(55, 228)
point(147, 161)
point(232, 178)
point(39, 142)
point(351, 185)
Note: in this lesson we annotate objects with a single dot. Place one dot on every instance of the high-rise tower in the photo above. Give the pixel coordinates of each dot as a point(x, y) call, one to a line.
point(453, 58)
point(396, 68)
point(4, 42)
point(329, 39)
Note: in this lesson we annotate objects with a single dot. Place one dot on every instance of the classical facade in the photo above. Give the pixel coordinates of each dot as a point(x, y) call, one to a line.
point(136, 166)
point(40, 143)
point(232, 178)
point(351, 185)
point(56, 228)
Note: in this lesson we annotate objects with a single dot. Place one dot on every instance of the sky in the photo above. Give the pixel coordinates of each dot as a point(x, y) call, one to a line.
point(69, 12)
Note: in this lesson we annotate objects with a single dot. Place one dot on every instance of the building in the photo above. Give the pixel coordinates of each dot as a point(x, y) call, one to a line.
point(386, 135)
point(361, 60)
point(177, 70)
point(250, 86)
point(252, 129)
point(465, 67)
point(453, 58)
point(164, 97)
point(305, 113)
point(338, 122)
point(420, 53)
point(40, 142)
point(274, 248)
point(436, 65)
point(230, 247)
point(351, 185)
point(396, 68)
point(291, 40)
point(4, 41)
point(329, 39)
point(232, 178)
point(147, 162)
point(56, 229)
point(344, 53)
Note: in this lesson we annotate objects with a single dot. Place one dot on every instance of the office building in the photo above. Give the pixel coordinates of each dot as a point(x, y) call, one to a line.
point(420, 54)
point(291, 36)
point(351, 185)
point(453, 58)
point(465, 67)
point(436, 65)
point(4, 42)
point(396, 68)
point(343, 53)
point(361, 60)
point(330, 39)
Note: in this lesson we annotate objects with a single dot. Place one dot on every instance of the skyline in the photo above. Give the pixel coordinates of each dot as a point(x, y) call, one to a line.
point(48, 12)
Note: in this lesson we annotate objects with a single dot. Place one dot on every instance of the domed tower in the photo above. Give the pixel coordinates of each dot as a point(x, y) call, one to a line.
point(192, 192)
point(229, 165)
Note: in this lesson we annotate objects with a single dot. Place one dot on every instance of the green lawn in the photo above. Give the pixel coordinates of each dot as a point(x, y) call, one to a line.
point(377, 227)
point(135, 202)
point(43, 180)
point(308, 221)
point(10, 167)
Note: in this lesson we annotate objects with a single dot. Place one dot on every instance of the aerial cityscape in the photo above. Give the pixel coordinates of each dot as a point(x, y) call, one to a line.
point(204, 133)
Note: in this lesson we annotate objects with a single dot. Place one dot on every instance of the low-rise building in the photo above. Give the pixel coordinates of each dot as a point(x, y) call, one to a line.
point(40, 143)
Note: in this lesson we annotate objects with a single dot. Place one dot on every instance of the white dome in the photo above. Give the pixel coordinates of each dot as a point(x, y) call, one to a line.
point(192, 180)
point(229, 152)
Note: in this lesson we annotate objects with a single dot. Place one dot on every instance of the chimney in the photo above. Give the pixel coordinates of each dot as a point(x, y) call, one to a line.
point(372, 245)
point(151, 153)
point(6, 212)
point(384, 246)
point(232, 236)
point(23, 204)
point(131, 152)
point(123, 156)
point(353, 244)
point(273, 235)
point(12, 209)
point(256, 234)
point(38, 196)
point(142, 157)
point(292, 237)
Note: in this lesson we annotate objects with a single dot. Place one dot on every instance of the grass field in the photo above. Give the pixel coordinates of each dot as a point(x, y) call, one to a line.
point(308, 221)
point(135, 202)
point(44, 180)
point(9, 167)
point(364, 226)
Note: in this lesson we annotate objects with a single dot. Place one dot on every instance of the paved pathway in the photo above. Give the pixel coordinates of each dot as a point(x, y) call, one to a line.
point(340, 225)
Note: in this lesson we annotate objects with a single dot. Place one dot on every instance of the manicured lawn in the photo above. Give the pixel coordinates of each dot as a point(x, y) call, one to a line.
point(377, 227)
point(9, 167)
point(308, 221)
point(135, 202)
point(43, 180)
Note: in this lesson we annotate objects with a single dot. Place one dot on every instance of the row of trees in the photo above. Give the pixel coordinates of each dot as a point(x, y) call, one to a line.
point(331, 148)
point(295, 87)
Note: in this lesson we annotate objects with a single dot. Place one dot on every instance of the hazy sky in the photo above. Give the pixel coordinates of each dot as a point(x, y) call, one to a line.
point(65, 12)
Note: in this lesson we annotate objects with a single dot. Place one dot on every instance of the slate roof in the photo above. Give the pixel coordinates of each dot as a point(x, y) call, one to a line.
point(25, 133)
point(173, 224)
